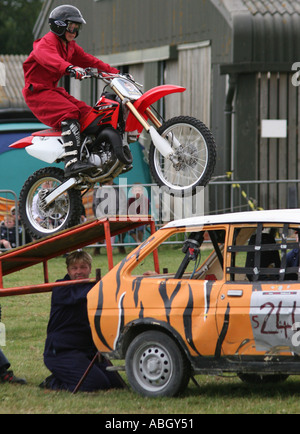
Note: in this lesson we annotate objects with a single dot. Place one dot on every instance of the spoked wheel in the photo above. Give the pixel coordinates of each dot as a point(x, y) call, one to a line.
point(62, 213)
point(156, 366)
point(195, 151)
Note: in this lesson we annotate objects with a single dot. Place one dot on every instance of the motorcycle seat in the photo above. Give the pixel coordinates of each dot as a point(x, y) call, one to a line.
point(49, 132)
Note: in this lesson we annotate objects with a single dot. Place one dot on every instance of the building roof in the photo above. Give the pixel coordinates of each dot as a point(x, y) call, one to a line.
point(240, 31)
point(269, 216)
point(264, 31)
point(272, 6)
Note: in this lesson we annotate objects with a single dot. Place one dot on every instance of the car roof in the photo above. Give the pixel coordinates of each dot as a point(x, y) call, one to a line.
point(270, 216)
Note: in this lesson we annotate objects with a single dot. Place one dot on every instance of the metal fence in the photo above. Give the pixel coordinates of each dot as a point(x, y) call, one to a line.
point(9, 200)
point(236, 196)
point(217, 198)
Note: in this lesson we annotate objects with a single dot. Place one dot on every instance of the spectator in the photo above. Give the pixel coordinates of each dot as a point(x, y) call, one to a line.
point(138, 204)
point(8, 233)
point(69, 347)
point(5, 375)
point(24, 235)
point(292, 260)
point(109, 201)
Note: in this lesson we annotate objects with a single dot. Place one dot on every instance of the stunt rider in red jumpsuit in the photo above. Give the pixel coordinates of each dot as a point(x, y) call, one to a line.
point(53, 56)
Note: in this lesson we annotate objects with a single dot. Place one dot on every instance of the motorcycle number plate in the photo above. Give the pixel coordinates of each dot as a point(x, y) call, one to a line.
point(127, 89)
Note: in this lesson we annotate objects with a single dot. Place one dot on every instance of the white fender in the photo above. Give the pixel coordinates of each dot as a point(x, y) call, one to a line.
point(48, 149)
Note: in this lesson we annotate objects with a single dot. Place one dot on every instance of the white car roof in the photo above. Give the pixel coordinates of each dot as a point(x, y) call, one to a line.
point(270, 216)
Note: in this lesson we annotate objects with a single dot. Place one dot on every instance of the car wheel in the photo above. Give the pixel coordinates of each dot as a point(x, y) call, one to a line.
point(156, 366)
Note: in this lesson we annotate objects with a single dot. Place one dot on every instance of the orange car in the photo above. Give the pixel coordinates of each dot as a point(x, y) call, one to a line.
point(232, 304)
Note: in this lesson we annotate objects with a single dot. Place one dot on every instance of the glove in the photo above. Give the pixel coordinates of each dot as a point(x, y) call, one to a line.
point(76, 72)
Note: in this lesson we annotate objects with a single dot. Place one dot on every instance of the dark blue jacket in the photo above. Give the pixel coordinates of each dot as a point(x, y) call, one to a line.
point(9, 234)
point(292, 258)
point(68, 327)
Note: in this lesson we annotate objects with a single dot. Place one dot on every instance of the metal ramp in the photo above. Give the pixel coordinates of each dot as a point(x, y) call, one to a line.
point(77, 237)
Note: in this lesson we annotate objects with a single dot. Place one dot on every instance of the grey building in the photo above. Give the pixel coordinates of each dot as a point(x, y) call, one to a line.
point(237, 59)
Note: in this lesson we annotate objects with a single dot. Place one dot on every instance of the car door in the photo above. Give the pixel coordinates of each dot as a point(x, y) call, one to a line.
point(185, 300)
point(233, 319)
point(257, 308)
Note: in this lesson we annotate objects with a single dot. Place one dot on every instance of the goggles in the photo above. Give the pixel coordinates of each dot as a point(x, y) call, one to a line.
point(73, 27)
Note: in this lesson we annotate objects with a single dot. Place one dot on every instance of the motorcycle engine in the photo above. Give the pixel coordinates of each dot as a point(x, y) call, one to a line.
point(103, 159)
point(95, 159)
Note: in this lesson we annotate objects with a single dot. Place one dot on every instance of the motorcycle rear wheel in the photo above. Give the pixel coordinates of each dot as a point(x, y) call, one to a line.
point(61, 214)
point(196, 155)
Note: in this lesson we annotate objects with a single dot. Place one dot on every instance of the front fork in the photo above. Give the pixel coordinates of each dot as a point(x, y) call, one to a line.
point(153, 118)
point(160, 143)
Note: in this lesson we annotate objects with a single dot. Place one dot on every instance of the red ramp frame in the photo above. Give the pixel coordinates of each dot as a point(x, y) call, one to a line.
point(80, 236)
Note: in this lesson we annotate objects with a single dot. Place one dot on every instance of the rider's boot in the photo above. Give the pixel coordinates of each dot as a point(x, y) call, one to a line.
point(71, 136)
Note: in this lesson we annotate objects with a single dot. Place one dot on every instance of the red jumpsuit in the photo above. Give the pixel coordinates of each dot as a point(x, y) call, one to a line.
point(44, 67)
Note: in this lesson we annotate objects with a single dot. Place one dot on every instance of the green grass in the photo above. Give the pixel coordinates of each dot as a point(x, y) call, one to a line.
point(26, 318)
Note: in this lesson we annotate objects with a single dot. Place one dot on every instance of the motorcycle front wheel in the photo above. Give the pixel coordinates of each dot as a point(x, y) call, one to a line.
point(64, 212)
point(195, 150)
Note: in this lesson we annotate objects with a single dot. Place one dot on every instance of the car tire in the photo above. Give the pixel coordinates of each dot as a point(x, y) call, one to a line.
point(156, 366)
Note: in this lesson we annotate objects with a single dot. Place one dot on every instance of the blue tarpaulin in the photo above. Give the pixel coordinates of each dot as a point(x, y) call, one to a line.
point(7, 138)
point(17, 165)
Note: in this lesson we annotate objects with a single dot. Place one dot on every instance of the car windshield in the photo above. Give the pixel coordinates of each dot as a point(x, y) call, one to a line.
point(194, 255)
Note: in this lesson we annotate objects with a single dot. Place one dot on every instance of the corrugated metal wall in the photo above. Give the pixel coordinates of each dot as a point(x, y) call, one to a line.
point(243, 34)
point(278, 156)
point(115, 26)
point(193, 71)
point(11, 93)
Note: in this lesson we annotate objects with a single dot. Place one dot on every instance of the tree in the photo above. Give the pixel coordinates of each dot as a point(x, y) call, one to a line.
point(17, 19)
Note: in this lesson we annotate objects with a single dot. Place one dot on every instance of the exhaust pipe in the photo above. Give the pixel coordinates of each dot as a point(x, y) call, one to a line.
point(112, 136)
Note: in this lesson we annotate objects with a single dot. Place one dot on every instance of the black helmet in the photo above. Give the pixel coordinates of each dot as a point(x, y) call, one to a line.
point(60, 16)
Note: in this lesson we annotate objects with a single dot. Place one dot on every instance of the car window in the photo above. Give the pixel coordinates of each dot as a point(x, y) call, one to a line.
point(199, 255)
point(264, 253)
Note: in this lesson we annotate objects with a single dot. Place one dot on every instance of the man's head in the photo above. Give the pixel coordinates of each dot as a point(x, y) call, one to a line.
point(79, 265)
point(65, 21)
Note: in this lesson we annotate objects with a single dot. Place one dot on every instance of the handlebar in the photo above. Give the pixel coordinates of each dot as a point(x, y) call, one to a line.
point(108, 76)
point(94, 73)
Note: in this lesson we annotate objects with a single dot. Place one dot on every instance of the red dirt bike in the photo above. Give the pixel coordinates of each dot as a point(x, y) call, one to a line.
point(182, 153)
